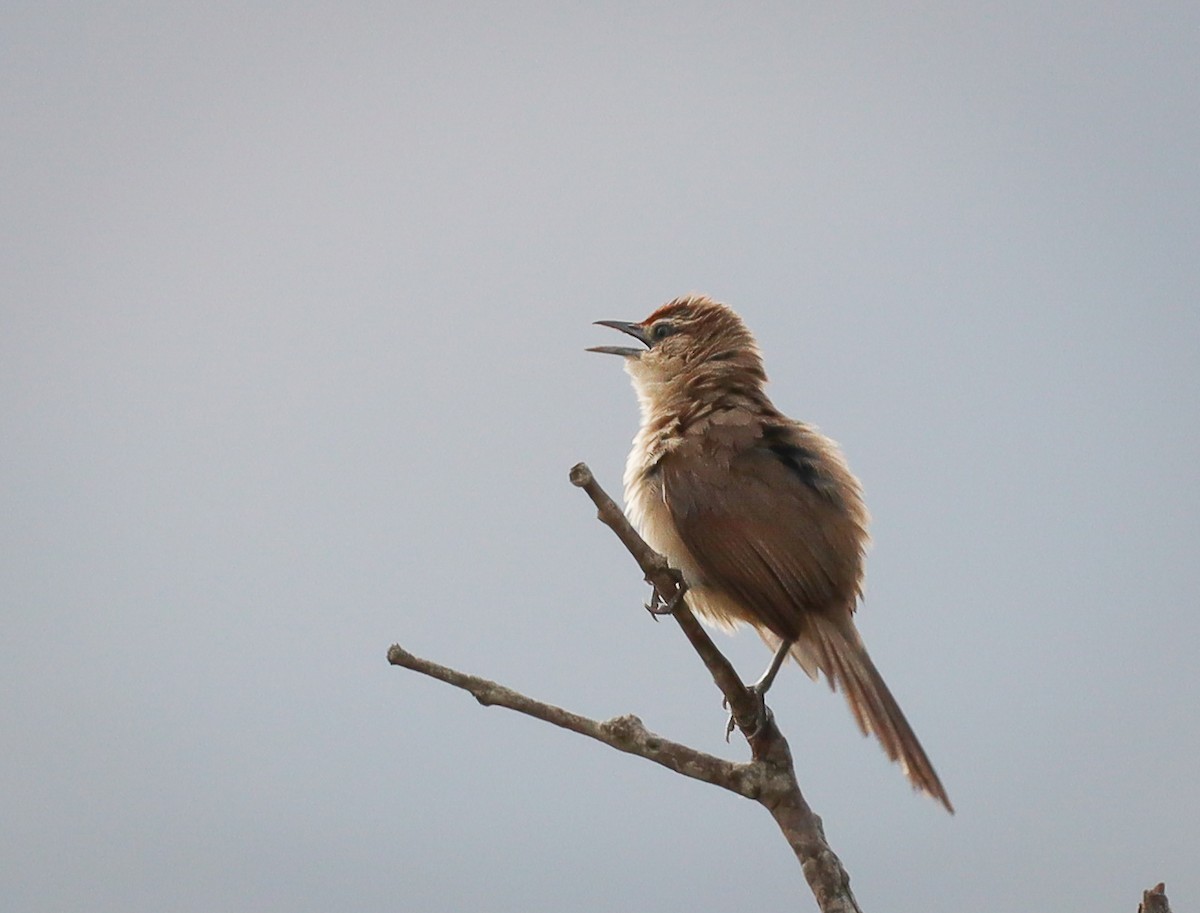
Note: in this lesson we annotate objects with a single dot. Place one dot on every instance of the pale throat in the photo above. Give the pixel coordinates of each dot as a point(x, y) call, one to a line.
point(653, 390)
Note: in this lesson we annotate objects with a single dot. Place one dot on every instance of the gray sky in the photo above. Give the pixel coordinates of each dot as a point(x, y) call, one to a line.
point(294, 301)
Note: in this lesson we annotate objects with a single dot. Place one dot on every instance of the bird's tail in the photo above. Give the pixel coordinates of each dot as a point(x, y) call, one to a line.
point(834, 647)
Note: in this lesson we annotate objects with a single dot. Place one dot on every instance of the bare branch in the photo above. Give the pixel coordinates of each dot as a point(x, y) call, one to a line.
point(625, 733)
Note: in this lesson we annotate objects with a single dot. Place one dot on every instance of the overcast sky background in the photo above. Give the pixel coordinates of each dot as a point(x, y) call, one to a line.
point(293, 303)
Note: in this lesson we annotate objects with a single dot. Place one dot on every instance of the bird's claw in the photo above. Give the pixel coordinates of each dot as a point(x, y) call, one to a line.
point(761, 716)
point(659, 606)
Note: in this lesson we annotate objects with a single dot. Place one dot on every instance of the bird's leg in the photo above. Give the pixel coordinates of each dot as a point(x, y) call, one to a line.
point(759, 688)
point(763, 685)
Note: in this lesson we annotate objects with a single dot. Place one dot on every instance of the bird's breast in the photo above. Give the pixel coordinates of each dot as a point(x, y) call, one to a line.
point(648, 512)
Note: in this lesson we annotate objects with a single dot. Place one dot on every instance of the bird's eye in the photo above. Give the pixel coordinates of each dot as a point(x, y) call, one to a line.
point(661, 331)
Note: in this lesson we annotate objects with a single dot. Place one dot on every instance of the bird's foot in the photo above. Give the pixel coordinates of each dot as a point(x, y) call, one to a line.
point(659, 606)
point(759, 690)
point(762, 713)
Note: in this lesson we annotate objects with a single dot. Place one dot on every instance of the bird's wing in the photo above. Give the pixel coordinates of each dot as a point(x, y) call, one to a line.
point(768, 527)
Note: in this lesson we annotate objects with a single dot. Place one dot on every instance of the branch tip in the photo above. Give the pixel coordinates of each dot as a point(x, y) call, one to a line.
point(1155, 900)
point(581, 476)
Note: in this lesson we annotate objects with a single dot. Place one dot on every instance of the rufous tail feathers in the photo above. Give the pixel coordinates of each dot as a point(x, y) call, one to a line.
point(835, 649)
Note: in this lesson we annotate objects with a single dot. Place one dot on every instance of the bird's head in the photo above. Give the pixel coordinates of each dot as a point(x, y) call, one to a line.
point(685, 343)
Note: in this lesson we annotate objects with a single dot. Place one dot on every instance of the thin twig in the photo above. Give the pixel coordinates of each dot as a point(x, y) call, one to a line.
point(625, 733)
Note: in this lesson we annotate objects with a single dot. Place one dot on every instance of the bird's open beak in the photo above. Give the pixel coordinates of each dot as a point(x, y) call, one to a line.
point(632, 329)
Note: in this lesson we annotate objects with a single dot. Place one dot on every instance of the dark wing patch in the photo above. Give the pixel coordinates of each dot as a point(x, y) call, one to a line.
point(802, 461)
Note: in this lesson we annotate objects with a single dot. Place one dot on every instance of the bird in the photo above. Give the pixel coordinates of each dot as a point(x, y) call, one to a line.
point(759, 512)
